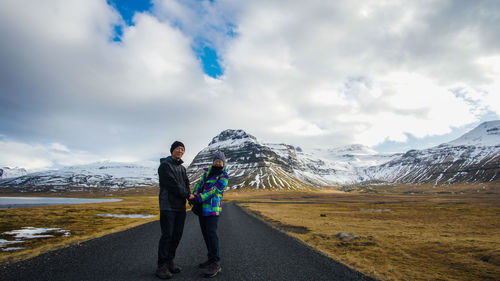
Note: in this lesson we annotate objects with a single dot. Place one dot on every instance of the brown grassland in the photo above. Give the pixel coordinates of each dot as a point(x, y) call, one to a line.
point(81, 220)
point(406, 232)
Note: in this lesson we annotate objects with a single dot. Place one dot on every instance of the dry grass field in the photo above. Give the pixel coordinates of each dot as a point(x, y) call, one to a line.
point(81, 221)
point(405, 232)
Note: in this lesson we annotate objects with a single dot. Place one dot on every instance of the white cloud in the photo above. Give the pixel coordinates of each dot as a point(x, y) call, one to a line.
point(321, 73)
point(59, 147)
point(299, 127)
point(206, 21)
point(37, 156)
point(489, 93)
point(126, 100)
point(327, 65)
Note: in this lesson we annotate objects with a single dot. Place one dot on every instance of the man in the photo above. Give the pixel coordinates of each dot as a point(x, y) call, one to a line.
point(174, 190)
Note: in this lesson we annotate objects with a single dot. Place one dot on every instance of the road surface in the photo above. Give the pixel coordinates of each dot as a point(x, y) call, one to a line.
point(250, 250)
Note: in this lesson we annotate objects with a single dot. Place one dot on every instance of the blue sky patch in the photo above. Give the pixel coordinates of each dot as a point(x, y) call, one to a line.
point(118, 32)
point(207, 55)
point(209, 60)
point(127, 8)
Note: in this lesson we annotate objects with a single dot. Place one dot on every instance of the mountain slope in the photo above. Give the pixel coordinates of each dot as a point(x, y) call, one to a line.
point(258, 165)
point(486, 134)
point(474, 157)
point(102, 175)
point(7, 172)
point(250, 163)
point(344, 165)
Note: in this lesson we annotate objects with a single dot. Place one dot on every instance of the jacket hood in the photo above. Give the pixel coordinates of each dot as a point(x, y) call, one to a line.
point(171, 160)
point(209, 169)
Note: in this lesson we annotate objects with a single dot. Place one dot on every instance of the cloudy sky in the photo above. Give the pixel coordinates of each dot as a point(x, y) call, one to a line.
point(92, 80)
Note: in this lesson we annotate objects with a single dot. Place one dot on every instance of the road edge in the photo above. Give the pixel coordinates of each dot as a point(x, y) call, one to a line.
point(69, 243)
point(260, 218)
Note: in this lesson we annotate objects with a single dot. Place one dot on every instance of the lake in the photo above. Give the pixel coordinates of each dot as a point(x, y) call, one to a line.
point(28, 202)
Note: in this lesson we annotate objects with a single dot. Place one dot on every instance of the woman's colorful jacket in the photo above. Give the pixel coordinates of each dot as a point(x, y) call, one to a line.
point(210, 191)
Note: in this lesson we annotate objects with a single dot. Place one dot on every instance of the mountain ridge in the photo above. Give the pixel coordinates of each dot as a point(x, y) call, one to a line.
point(485, 134)
point(12, 172)
point(473, 157)
point(262, 165)
point(98, 175)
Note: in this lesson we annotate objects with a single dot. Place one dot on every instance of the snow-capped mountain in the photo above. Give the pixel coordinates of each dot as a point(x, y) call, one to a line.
point(105, 175)
point(486, 134)
point(473, 157)
point(8, 172)
point(259, 165)
point(250, 162)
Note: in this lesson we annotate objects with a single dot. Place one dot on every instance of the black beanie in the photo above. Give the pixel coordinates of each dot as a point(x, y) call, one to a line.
point(176, 144)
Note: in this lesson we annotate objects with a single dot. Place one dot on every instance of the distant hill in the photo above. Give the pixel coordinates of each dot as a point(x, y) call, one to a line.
point(473, 157)
point(487, 134)
point(257, 165)
point(8, 172)
point(101, 175)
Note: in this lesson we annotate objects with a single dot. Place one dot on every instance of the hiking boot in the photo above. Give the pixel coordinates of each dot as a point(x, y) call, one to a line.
point(172, 267)
point(213, 269)
point(162, 272)
point(205, 264)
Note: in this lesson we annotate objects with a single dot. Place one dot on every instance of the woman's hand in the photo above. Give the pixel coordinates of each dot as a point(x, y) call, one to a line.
point(192, 199)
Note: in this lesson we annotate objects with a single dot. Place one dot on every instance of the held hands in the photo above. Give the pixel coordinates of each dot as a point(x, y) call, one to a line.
point(192, 199)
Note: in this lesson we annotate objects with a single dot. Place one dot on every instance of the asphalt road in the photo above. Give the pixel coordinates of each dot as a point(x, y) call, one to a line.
point(250, 250)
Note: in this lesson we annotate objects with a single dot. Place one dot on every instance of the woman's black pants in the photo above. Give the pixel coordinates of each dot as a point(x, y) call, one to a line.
point(208, 225)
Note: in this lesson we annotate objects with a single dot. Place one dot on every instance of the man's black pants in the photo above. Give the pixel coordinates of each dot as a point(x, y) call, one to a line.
point(172, 226)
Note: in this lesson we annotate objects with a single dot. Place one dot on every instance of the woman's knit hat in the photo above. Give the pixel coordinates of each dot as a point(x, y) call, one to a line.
point(219, 155)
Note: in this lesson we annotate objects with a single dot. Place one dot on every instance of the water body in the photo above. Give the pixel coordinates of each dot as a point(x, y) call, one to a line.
point(28, 202)
point(130, 216)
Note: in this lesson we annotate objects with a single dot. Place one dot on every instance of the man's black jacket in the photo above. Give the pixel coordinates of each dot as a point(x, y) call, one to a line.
point(174, 185)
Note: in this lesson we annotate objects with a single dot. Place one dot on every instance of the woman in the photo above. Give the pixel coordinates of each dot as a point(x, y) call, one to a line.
point(208, 192)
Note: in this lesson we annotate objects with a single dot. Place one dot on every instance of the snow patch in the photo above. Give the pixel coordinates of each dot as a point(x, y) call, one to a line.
point(486, 134)
point(11, 249)
point(37, 232)
point(20, 202)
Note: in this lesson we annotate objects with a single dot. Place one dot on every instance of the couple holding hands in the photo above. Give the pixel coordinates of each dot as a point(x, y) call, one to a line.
point(206, 199)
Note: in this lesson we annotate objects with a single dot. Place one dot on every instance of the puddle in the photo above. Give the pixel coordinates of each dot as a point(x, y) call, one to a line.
point(130, 216)
point(30, 233)
point(376, 210)
point(28, 202)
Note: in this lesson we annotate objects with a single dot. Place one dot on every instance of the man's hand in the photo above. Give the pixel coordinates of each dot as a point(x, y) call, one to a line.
point(191, 199)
